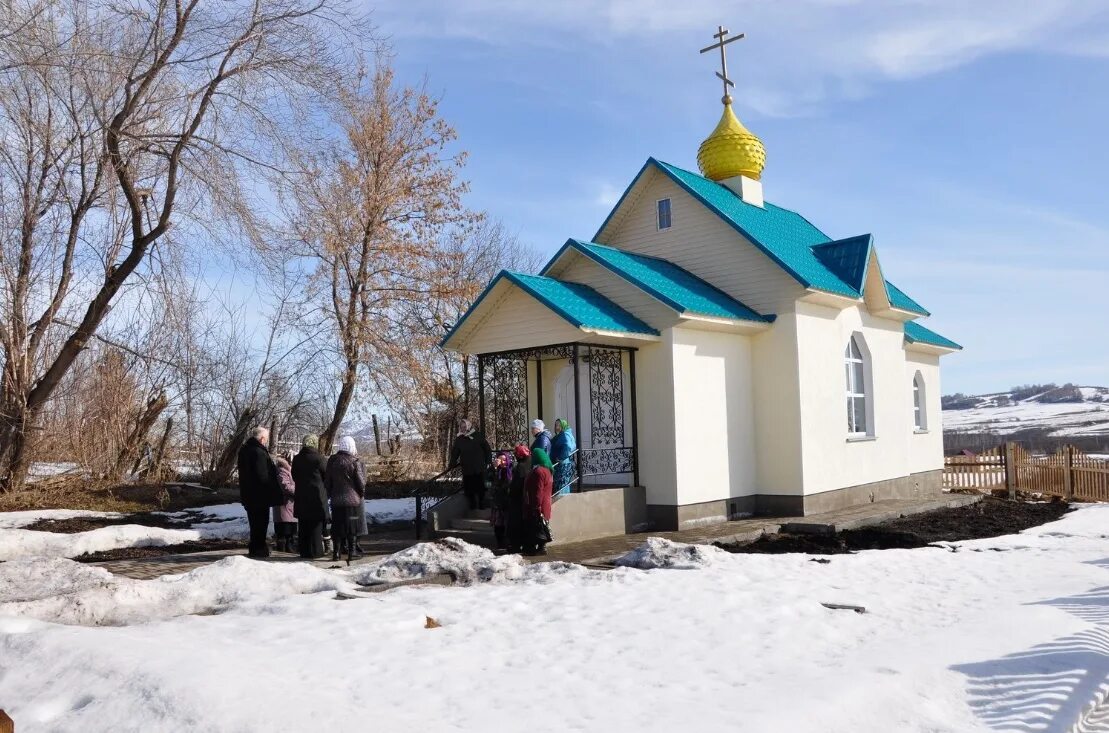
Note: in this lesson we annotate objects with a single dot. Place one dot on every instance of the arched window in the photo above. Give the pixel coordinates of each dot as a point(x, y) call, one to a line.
point(920, 411)
point(856, 359)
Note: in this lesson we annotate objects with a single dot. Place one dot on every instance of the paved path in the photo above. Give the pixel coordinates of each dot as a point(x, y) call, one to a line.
point(591, 552)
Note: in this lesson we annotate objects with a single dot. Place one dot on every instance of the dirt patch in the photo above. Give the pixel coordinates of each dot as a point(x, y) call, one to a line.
point(393, 489)
point(132, 553)
point(81, 494)
point(84, 524)
point(990, 517)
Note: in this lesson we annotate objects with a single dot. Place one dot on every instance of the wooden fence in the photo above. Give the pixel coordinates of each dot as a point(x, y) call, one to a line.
point(1068, 472)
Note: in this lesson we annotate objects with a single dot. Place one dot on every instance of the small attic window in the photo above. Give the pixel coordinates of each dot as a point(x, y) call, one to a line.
point(663, 214)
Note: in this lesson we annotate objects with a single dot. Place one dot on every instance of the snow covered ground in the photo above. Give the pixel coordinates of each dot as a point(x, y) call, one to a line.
point(221, 521)
point(1008, 633)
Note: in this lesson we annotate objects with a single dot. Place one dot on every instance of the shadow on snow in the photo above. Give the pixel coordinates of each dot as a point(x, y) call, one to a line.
point(1061, 686)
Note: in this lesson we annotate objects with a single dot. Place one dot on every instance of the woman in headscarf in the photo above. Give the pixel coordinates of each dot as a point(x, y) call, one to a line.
point(562, 447)
point(502, 481)
point(514, 515)
point(346, 487)
point(537, 504)
point(284, 519)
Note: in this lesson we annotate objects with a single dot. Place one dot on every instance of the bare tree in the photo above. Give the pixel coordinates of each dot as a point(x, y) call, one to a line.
point(429, 387)
point(366, 212)
point(113, 116)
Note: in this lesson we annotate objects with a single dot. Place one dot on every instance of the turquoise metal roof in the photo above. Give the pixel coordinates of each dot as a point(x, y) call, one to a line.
point(898, 299)
point(579, 304)
point(785, 236)
point(847, 258)
point(916, 333)
point(677, 288)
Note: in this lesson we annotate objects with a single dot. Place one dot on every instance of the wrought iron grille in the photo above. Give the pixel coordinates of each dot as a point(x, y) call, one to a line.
point(507, 395)
point(606, 398)
point(607, 461)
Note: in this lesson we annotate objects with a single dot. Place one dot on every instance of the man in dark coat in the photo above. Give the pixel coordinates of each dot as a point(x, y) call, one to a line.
point(310, 501)
point(259, 488)
point(471, 451)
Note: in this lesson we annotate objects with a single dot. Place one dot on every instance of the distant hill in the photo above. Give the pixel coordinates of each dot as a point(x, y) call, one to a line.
point(1059, 411)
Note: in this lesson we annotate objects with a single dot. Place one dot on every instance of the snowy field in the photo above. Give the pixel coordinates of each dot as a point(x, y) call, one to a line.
point(1008, 633)
point(221, 521)
point(997, 414)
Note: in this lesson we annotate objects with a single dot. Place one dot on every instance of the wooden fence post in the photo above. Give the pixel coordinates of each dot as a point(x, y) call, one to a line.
point(6, 723)
point(1010, 469)
point(1068, 472)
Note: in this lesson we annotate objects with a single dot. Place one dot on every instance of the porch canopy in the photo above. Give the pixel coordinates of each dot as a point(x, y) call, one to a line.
point(552, 349)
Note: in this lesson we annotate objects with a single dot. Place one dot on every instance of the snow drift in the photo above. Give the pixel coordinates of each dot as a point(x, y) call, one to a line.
point(67, 592)
point(657, 553)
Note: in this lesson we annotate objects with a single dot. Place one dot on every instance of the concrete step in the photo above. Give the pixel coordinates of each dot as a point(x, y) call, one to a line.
point(478, 514)
point(473, 525)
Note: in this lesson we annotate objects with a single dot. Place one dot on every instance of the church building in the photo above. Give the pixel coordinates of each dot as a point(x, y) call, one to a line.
point(718, 356)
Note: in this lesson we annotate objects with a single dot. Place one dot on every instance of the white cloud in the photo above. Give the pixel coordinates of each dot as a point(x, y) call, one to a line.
point(799, 53)
point(607, 195)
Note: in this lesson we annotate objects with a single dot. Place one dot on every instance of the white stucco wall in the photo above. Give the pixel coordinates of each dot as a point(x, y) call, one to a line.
point(714, 422)
point(777, 408)
point(654, 365)
point(926, 448)
point(830, 460)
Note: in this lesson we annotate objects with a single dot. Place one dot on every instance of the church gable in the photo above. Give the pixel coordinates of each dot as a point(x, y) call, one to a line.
point(517, 309)
point(697, 240)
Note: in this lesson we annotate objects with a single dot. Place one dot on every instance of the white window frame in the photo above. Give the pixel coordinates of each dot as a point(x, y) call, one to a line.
point(920, 404)
point(669, 214)
point(858, 393)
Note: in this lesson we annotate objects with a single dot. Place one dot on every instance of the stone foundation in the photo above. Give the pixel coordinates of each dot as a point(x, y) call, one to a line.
point(915, 486)
point(667, 518)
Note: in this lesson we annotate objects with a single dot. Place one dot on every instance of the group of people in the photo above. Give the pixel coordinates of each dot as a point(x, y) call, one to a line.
point(317, 504)
point(520, 483)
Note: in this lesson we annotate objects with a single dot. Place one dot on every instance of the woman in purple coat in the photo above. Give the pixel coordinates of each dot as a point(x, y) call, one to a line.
point(284, 521)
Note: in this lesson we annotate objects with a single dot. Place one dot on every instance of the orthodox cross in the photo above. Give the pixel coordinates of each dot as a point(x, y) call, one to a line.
point(722, 40)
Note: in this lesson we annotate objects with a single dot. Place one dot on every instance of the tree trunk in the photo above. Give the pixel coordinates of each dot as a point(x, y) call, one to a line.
point(377, 436)
point(155, 467)
point(130, 451)
point(342, 404)
point(15, 458)
point(220, 475)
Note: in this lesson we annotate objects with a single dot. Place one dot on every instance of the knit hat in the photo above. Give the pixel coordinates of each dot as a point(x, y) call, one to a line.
point(346, 445)
point(522, 452)
point(538, 424)
point(311, 441)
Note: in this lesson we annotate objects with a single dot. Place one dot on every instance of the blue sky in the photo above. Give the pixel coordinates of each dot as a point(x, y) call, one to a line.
point(969, 138)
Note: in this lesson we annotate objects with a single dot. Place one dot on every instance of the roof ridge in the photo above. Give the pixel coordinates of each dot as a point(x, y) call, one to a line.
point(633, 255)
point(844, 240)
point(726, 305)
point(739, 198)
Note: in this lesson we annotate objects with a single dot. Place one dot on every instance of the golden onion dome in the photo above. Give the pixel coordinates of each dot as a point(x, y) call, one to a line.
point(731, 150)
